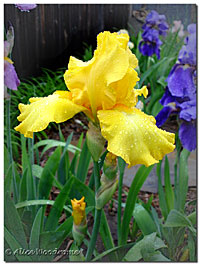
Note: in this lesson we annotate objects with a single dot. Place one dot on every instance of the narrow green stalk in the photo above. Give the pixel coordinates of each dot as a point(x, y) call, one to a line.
point(119, 209)
point(175, 175)
point(31, 150)
point(122, 165)
point(31, 157)
point(95, 231)
point(9, 146)
point(176, 164)
point(97, 217)
point(96, 176)
point(91, 182)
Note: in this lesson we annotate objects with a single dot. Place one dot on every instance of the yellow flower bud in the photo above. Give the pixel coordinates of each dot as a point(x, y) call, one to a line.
point(109, 181)
point(111, 158)
point(110, 166)
point(78, 213)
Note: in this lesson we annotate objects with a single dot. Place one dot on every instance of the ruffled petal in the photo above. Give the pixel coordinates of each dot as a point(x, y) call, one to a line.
point(11, 79)
point(181, 82)
point(36, 116)
point(124, 88)
point(188, 135)
point(163, 115)
point(188, 110)
point(91, 82)
point(134, 136)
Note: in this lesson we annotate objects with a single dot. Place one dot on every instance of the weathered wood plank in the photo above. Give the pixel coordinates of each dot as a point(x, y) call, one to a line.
point(49, 34)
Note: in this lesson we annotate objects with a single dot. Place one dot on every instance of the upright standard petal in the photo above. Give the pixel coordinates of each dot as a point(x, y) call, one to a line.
point(134, 136)
point(36, 116)
point(91, 82)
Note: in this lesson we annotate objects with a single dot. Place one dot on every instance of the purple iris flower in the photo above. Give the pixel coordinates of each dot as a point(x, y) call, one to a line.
point(154, 26)
point(182, 78)
point(26, 7)
point(11, 79)
point(187, 54)
point(154, 20)
point(186, 109)
point(150, 43)
point(180, 94)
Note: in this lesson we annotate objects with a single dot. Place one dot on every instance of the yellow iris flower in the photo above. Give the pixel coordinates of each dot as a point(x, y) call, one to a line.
point(78, 213)
point(103, 88)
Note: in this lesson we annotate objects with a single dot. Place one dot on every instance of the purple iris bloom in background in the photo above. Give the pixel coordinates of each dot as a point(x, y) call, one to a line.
point(180, 94)
point(26, 7)
point(187, 54)
point(154, 26)
point(154, 20)
point(11, 79)
point(151, 43)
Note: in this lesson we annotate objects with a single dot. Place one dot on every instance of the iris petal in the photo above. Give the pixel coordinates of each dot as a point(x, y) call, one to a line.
point(188, 135)
point(91, 82)
point(134, 136)
point(36, 116)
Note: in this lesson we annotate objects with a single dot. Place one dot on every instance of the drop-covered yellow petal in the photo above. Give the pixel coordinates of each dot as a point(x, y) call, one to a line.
point(94, 83)
point(36, 116)
point(124, 88)
point(134, 136)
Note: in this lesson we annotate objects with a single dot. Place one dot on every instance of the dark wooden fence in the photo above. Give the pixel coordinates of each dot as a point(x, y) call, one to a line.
point(49, 34)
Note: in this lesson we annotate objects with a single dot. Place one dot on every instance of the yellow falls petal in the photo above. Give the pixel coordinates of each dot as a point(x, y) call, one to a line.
point(36, 116)
point(134, 136)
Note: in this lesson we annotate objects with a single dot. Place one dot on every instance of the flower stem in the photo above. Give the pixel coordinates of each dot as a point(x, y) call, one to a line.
point(9, 146)
point(119, 209)
point(97, 217)
point(122, 165)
